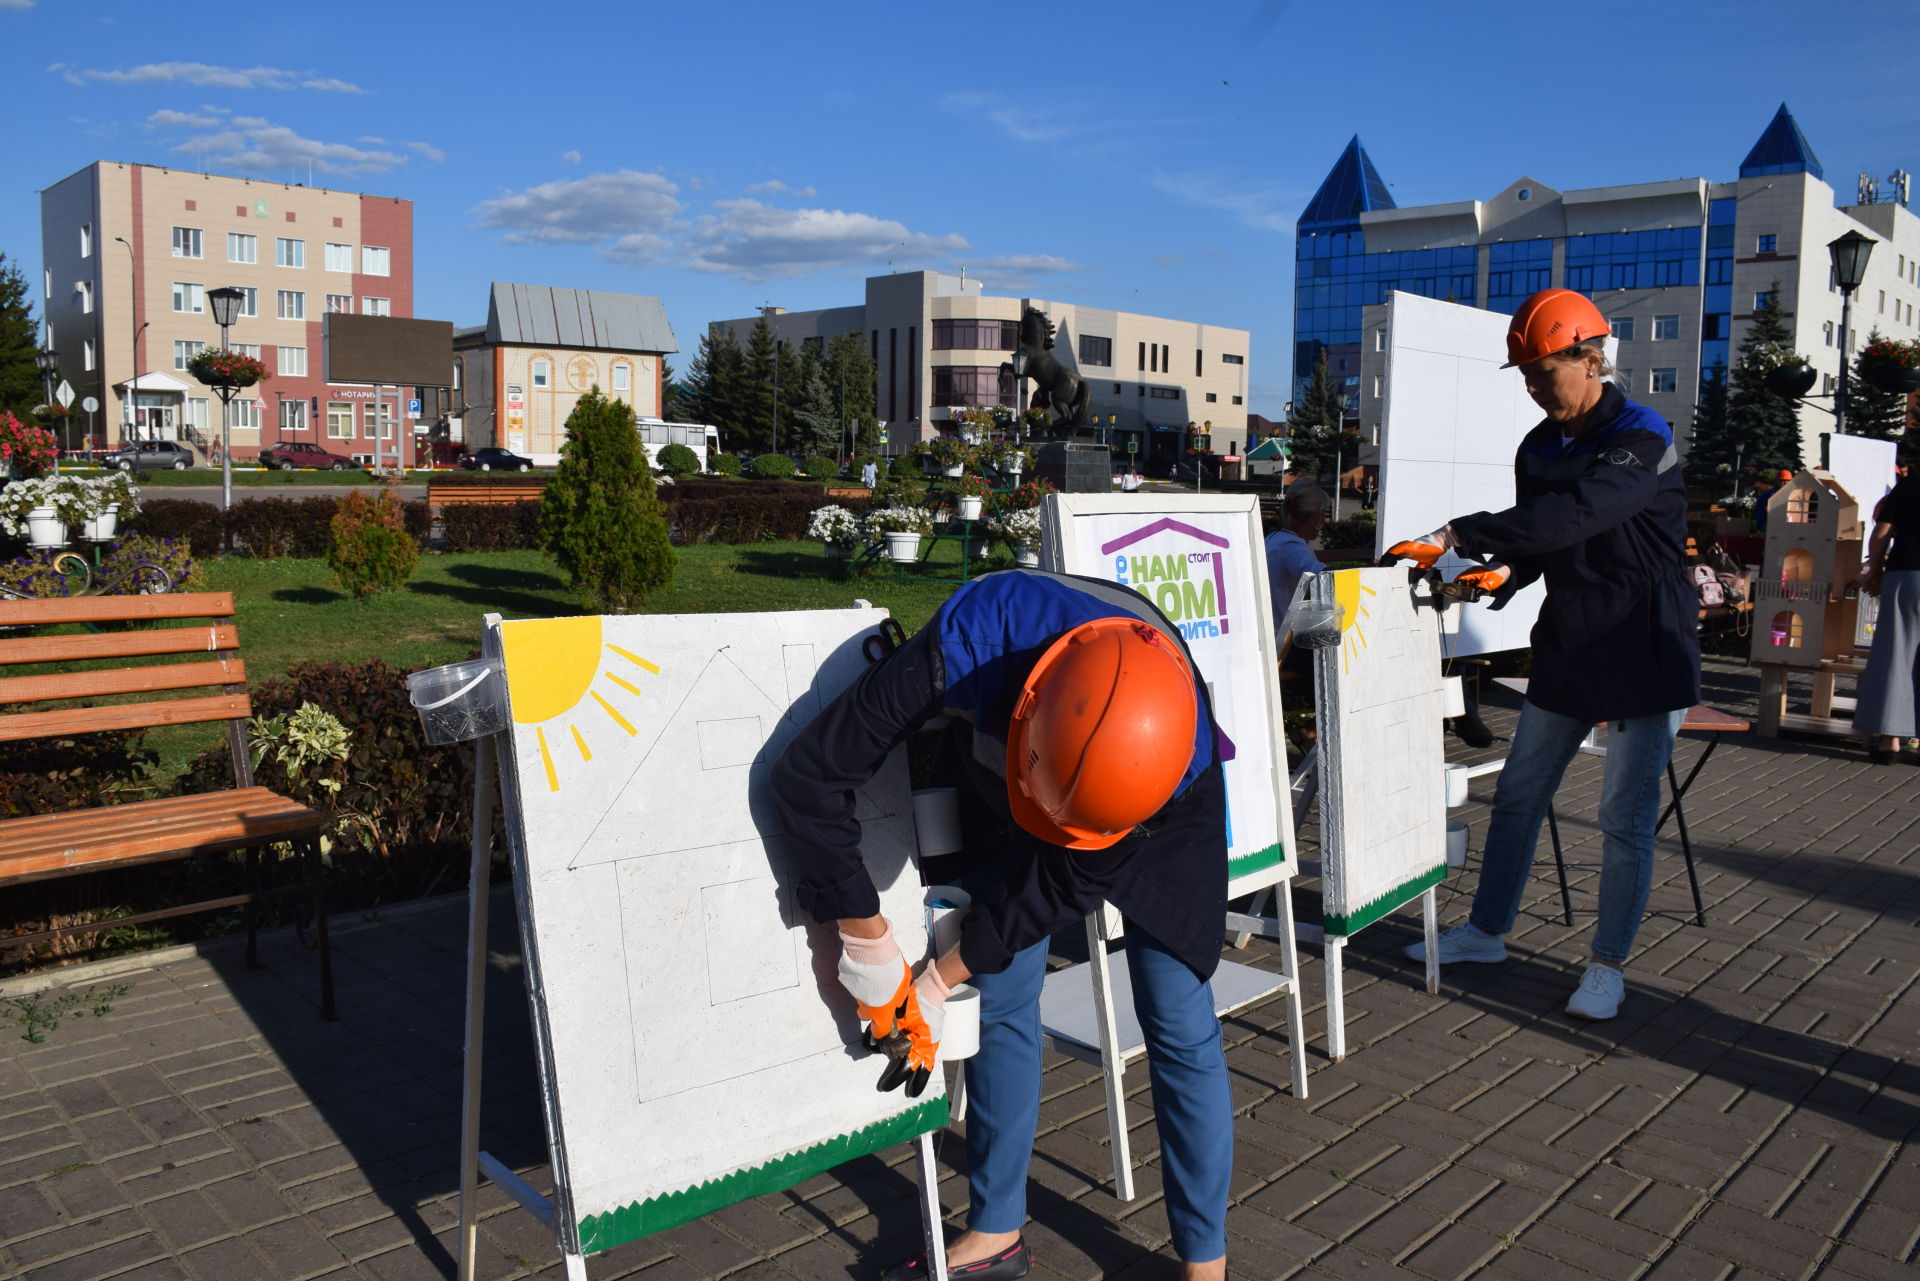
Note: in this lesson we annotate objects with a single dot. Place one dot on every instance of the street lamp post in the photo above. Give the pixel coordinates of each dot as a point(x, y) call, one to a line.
point(225, 302)
point(1850, 253)
point(48, 362)
point(1020, 359)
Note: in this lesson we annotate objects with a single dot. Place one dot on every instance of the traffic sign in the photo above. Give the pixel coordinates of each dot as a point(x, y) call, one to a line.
point(1133, 444)
point(64, 394)
point(883, 433)
point(89, 404)
point(413, 407)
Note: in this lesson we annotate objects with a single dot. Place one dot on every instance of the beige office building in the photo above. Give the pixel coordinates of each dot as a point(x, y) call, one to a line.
point(129, 252)
point(940, 342)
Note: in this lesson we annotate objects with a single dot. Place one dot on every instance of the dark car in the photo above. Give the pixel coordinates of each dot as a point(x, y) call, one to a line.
point(285, 455)
point(149, 454)
point(493, 458)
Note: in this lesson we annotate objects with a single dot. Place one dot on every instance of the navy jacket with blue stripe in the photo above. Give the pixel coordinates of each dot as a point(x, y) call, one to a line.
point(1603, 519)
point(963, 672)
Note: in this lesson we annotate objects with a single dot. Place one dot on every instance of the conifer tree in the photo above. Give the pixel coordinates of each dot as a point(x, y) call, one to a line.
point(756, 393)
point(1711, 456)
point(1314, 427)
point(847, 368)
point(600, 517)
point(1767, 424)
point(814, 424)
point(21, 388)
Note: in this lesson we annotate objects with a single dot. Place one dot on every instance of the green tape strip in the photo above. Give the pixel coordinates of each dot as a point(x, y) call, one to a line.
point(1355, 921)
point(656, 1214)
point(1256, 860)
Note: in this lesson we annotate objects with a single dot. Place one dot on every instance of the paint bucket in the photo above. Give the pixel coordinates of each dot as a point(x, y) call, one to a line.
point(459, 701)
point(1453, 696)
point(960, 1032)
point(946, 904)
point(1456, 843)
point(936, 820)
point(1456, 776)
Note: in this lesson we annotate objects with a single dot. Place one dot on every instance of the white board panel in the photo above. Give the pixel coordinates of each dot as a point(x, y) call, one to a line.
point(1382, 801)
point(1202, 560)
point(1451, 424)
point(696, 1046)
point(1864, 468)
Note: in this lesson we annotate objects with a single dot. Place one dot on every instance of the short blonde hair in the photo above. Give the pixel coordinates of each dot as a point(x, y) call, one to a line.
point(1590, 347)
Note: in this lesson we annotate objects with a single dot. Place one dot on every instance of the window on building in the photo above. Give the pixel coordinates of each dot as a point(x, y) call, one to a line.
point(292, 305)
point(1234, 358)
point(1164, 393)
point(459, 372)
point(85, 289)
point(1826, 384)
point(288, 252)
point(1666, 328)
point(622, 377)
point(1826, 331)
point(375, 261)
point(246, 414)
point(249, 301)
point(376, 306)
point(340, 420)
point(975, 335)
point(340, 304)
point(293, 362)
point(969, 385)
point(1095, 350)
point(1212, 398)
point(86, 240)
point(1664, 382)
point(542, 374)
point(189, 297)
point(1766, 244)
point(339, 257)
point(1376, 386)
point(1140, 390)
point(1199, 363)
point(251, 350)
point(183, 350)
point(86, 353)
point(1622, 327)
point(1143, 357)
point(242, 247)
point(200, 412)
point(46, 282)
point(186, 242)
point(293, 413)
point(1883, 301)
point(1764, 299)
point(384, 411)
point(1237, 400)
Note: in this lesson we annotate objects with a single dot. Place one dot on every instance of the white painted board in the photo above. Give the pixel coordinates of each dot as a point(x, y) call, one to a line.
point(1451, 424)
point(1864, 468)
point(1202, 560)
point(695, 1045)
point(1382, 798)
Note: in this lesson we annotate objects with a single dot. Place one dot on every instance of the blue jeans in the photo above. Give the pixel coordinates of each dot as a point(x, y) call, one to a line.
point(1190, 1097)
point(1638, 749)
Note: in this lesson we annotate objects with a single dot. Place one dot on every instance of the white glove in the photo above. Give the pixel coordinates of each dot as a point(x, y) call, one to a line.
point(871, 969)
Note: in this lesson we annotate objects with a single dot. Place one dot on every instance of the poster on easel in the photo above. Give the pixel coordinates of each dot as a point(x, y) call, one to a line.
point(694, 1044)
point(1201, 559)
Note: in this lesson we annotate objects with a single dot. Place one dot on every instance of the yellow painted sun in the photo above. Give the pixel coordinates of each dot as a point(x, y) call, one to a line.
point(552, 666)
point(1347, 591)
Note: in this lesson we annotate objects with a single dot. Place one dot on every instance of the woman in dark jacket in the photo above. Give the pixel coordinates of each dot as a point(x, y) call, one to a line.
point(1601, 517)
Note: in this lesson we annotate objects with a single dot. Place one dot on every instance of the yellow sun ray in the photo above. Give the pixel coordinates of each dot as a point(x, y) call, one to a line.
point(610, 710)
point(546, 759)
point(580, 743)
point(652, 669)
point(626, 685)
point(551, 664)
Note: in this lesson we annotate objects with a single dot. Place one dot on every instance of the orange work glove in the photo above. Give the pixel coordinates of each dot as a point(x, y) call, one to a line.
point(1488, 579)
point(1424, 550)
point(913, 1018)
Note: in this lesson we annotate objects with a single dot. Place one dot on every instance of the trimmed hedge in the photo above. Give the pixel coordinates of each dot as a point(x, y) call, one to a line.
point(743, 511)
point(506, 527)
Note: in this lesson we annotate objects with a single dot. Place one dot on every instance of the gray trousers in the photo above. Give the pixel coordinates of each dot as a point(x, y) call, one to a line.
point(1890, 687)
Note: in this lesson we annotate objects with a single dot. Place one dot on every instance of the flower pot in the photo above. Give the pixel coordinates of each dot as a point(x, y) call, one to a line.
point(839, 551)
point(970, 505)
point(101, 528)
point(45, 528)
point(954, 471)
point(1027, 556)
point(1892, 378)
point(903, 548)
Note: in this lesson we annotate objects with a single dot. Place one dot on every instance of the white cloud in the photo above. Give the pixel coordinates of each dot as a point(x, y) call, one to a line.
point(201, 73)
point(584, 210)
point(1021, 125)
point(372, 141)
point(16, 4)
point(774, 187)
point(252, 143)
point(570, 157)
point(755, 241)
point(1011, 271)
point(216, 111)
point(181, 119)
point(638, 249)
point(428, 150)
point(1255, 205)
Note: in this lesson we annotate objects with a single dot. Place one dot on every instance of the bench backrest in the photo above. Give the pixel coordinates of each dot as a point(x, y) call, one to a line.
point(102, 671)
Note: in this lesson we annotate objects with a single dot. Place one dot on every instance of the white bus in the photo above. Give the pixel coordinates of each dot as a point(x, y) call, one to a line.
point(655, 433)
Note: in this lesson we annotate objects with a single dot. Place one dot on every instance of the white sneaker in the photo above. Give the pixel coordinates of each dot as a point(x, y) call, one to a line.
point(1599, 994)
point(1461, 943)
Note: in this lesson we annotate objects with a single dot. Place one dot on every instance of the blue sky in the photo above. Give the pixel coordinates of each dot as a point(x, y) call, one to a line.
point(1146, 156)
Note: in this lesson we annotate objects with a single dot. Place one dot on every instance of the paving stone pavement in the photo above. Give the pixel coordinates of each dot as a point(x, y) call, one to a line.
point(1751, 1112)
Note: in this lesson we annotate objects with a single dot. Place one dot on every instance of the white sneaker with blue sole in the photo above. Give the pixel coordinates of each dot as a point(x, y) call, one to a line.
point(1599, 995)
point(1461, 943)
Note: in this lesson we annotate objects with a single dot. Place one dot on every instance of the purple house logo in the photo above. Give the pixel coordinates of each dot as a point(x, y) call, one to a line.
point(1188, 582)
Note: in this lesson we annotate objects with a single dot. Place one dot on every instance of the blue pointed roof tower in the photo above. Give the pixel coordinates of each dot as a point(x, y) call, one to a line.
point(1781, 149)
point(1352, 187)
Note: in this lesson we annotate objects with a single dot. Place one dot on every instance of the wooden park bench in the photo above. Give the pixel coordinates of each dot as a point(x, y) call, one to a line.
point(91, 669)
point(488, 493)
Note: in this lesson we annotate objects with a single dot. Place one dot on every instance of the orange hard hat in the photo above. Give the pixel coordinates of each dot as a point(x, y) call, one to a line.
point(1101, 735)
point(1552, 321)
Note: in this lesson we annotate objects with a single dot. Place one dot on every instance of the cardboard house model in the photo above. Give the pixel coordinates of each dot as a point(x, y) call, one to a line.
point(1807, 595)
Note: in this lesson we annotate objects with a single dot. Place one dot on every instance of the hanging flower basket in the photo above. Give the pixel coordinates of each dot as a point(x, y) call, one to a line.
point(25, 449)
point(1891, 366)
point(1791, 380)
point(218, 367)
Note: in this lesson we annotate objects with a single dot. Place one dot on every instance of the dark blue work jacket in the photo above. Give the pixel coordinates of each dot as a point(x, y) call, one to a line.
point(963, 671)
point(1603, 520)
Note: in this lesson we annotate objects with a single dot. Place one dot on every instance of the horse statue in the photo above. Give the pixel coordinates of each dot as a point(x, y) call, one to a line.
point(1055, 386)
